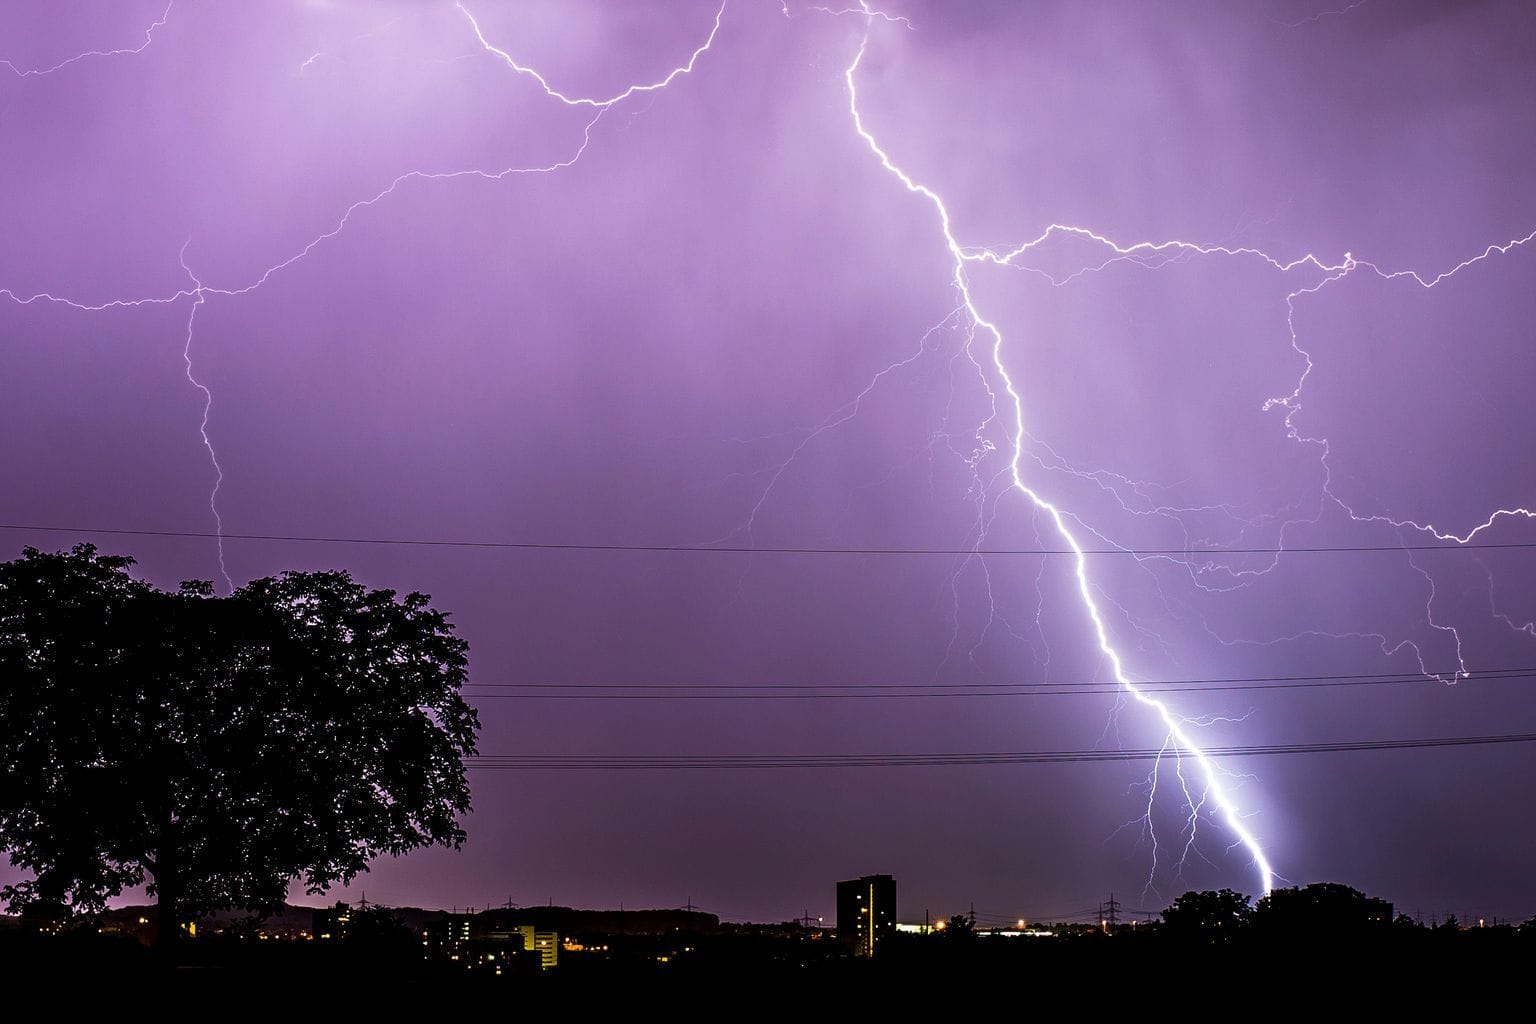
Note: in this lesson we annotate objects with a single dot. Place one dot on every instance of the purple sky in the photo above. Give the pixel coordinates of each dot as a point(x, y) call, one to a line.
point(725, 321)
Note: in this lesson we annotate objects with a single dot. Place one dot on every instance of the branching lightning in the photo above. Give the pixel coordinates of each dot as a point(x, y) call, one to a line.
point(199, 292)
point(1175, 726)
point(1206, 790)
point(838, 417)
point(1213, 788)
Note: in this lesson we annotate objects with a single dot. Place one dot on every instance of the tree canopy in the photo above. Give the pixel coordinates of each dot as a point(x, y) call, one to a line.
point(1211, 915)
point(219, 748)
point(1327, 907)
point(1320, 910)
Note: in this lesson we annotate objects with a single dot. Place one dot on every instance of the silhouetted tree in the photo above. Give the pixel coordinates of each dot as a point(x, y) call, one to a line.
point(1320, 909)
point(959, 928)
point(1211, 915)
point(219, 747)
point(379, 928)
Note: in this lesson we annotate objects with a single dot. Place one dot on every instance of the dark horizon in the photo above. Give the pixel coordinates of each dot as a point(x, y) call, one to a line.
point(535, 309)
point(1094, 916)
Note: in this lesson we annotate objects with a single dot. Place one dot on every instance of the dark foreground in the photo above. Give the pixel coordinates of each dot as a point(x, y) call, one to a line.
point(1478, 970)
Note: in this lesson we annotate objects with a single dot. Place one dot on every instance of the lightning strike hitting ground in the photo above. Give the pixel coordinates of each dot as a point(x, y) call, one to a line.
point(1152, 255)
point(202, 427)
point(1175, 726)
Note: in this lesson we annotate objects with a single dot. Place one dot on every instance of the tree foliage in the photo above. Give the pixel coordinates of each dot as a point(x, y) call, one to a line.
point(379, 928)
point(1322, 909)
point(1212, 915)
point(959, 928)
point(1326, 908)
point(219, 748)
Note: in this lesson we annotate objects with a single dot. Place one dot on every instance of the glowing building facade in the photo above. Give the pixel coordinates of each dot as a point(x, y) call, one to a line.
point(866, 912)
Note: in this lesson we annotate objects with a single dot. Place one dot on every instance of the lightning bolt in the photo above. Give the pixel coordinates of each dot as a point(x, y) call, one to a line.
point(1151, 255)
point(202, 427)
point(320, 55)
point(864, 13)
point(598, 106)
point(149, 37)
point(847, 412)
point(1205, 790)
point(1174, 725)
point(1336, 12)
point(586, 101)
point(199, 292)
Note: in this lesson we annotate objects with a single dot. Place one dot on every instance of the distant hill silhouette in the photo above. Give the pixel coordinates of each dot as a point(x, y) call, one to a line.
point(291, 919)
point(570, 921)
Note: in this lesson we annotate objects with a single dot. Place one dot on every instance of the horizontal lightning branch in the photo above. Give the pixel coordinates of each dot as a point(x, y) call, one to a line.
point(149, 37)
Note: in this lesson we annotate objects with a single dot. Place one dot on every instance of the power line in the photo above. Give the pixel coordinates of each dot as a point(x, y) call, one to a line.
point(708, 549)
point(891, 691)
point(1079, 682)
point(671, 762)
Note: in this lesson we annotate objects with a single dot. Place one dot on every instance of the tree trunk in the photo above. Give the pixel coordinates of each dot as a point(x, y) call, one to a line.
point(167, 906)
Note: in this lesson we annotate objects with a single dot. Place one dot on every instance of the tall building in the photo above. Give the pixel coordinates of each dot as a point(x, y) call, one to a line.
point(449, 936)
point(544, 942)
point(866, 912)
point(331, 922)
